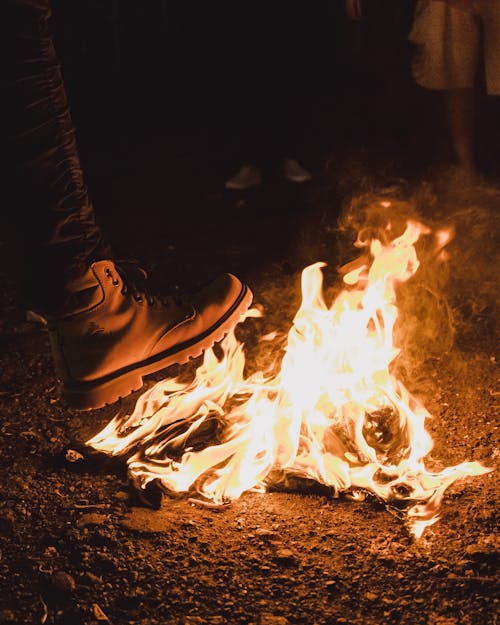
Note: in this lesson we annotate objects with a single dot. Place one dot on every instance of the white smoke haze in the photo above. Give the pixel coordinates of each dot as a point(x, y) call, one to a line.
point(449, 303)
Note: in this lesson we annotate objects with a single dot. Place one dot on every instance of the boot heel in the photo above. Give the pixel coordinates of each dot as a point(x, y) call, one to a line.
point(87, 396)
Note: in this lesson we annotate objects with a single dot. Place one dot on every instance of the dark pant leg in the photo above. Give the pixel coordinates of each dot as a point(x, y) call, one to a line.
point(51, 211)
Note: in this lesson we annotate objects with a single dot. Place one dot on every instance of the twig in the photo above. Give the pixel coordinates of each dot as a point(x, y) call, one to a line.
point(45, 614)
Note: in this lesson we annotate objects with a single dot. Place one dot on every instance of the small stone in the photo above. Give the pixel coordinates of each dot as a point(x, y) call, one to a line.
point(285, 557)
point(63, 581)
point(331, 585)
point(50, 552)
point(91, 518)
point(271, 619)
point(72, 455)
point(263, 532)
point(93, 579)
point(371, 596)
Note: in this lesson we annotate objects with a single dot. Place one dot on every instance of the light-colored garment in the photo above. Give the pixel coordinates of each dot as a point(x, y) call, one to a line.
point(450, 36)
point(465, 5)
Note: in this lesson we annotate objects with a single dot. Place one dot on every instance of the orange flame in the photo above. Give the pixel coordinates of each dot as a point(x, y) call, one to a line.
point(333, 413)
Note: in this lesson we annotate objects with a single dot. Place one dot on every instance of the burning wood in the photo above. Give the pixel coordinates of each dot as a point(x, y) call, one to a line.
point(334, 412)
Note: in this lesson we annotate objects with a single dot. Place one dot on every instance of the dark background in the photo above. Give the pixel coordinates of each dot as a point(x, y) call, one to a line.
point(169, 98)
point(197, 75)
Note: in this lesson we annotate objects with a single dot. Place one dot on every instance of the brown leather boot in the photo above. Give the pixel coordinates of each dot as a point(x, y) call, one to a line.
point(115, 334)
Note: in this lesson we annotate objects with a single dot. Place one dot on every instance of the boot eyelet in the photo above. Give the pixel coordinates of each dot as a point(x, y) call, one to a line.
point(108, 274)
point(138, 299)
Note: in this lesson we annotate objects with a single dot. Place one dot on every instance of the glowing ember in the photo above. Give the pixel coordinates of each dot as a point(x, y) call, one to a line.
point(333, 413)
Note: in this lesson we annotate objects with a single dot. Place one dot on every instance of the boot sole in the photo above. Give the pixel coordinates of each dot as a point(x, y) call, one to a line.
point(121, 383)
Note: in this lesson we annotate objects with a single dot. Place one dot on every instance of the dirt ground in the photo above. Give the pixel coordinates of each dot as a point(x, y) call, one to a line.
point(79, 547)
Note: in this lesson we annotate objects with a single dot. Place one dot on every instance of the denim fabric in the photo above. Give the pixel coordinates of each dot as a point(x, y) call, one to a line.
point(58, 230)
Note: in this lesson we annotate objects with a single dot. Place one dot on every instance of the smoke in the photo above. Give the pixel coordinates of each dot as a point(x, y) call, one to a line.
point(450, 303)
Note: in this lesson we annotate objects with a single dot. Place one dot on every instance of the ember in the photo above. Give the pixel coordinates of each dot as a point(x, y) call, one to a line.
point(333, 412)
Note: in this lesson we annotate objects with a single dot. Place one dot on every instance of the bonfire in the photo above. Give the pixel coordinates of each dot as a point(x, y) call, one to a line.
point(330, 410)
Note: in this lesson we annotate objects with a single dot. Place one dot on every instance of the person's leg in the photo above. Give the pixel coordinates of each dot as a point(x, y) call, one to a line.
point(462, 55)
point(54, 215)
point(461, 59)
point(489, 11)
point(459, 112)
point(446, 40)
point(106, 330)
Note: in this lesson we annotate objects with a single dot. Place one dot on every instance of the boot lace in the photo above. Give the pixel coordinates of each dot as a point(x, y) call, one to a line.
point(134, 282)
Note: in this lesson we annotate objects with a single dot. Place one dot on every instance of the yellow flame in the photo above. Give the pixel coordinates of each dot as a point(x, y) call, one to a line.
point(333, 413)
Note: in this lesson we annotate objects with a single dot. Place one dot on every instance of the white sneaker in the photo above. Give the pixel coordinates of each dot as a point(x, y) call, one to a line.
point(294, 171)
point(247, 176)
